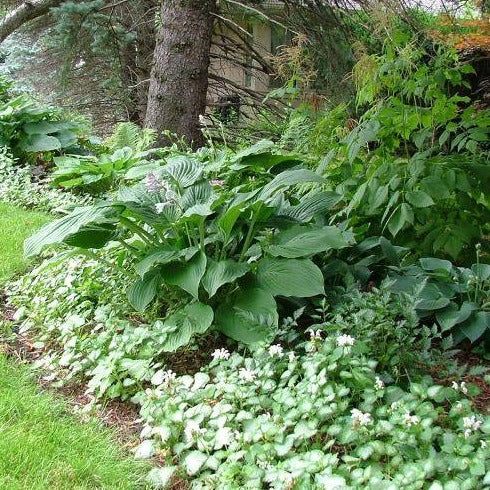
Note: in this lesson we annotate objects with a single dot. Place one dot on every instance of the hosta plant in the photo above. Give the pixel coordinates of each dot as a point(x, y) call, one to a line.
point(225, 255)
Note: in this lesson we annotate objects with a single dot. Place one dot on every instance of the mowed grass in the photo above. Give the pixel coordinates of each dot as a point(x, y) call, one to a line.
point(16, 225)
point(42, 445)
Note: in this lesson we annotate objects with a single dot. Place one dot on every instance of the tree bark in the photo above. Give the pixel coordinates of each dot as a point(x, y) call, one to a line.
point(179, 77)
point(25, 12)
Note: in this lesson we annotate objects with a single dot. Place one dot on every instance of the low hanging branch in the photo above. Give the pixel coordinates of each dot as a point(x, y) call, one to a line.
point(25, 12)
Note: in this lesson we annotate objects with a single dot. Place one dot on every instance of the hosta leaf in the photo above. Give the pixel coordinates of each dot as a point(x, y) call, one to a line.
point(223, 272)
point(141, 293)
point(249, 317)
point(197, 194)
point(162, 255)
point(183, 170)
point(40, 142)
point(290, 277)
point(476, 325)
point(433, 264)
point(187, 276)
point(193, 319)
point(263, 146)
point(302, 241)
point(62, 229)
point(451, 315)
point(47, 127)
point(287, 179)
point(317, 204)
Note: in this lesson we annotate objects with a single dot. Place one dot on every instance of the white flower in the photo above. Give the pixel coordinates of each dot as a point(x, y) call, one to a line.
point(461, 387)
point(246, 374)
point(291, 356)
point(275, 350)
point(315, 335)
point(192, 429)
point(410, 420)
point(360, 418)
point(160, 206)
point(162, 377)
point(471, 424)
point(483, 444)
point(221, 354)
point(345, 340)
point(224, 437)
point(378, 384)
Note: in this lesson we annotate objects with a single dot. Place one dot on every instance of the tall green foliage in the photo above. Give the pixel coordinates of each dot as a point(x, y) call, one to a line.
point(215, 254)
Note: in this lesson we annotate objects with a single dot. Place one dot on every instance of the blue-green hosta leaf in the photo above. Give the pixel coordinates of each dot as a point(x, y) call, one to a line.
point(303, 241)
point(187, 276)
point(199, 193)
point(141, 170)
point(433, 264)
point(290, 277)
point(199, 211)
point(48, 127)
point(142, 292)
point(159, 256)
point(183, 170)
point(60, 230)
point(249, 317)
point(193, 319)
point(316, 204)
point(287, 179)
point(476, 326)
point(481, 270)
point(430, 297)
point(223, 272)
point(263, 146)
point(40, 142)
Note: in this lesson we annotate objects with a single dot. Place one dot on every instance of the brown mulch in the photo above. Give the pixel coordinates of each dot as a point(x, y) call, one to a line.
point(466, 357)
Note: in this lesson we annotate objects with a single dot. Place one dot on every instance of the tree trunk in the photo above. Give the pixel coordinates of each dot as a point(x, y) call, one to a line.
point(179, 77)
point(25, 12)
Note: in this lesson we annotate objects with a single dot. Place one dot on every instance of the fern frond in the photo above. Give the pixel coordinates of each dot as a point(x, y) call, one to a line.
point(130, 135)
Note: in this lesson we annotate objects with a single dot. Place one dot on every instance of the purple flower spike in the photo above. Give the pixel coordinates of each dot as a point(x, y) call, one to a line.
point(152, 183)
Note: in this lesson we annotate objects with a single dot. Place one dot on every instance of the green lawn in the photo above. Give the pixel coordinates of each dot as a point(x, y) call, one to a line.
point(16, 225)
point(42, 446)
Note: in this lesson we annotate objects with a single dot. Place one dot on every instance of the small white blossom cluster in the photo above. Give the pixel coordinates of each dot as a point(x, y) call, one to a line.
point(410, 420)
point(360, 419)
point(461, 387)
point(345, 341)
point(275, 350)
point(219, 354)
point(247, 374)
point(163, 378)
point(378, 384)
point(315, 335)
point(471, 424)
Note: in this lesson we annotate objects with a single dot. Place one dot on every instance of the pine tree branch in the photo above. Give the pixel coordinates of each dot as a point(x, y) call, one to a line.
point(25, 12)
